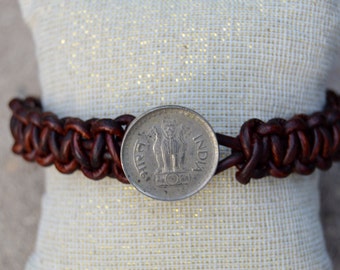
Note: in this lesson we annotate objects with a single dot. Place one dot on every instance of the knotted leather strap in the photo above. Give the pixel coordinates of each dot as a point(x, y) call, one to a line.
point(278, 147)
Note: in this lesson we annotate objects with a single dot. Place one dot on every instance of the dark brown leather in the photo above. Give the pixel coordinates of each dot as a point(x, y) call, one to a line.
point(278, 147)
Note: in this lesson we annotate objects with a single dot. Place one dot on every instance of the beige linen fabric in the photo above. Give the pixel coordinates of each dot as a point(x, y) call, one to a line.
point(229, 61)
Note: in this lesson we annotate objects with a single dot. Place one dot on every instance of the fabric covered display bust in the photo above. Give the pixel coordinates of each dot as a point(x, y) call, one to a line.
point(227, 60)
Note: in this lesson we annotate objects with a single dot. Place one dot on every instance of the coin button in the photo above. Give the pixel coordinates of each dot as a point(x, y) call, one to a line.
point(169, 153)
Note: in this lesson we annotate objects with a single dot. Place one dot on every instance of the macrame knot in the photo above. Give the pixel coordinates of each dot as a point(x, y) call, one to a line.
point(253, 150)
point(93, 146)
point(278, 147)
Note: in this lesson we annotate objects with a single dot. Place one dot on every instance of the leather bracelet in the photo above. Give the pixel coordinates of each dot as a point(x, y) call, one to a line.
point(276, 148)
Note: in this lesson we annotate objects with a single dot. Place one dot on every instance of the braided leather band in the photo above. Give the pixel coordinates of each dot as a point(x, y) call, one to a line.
point(278, 147)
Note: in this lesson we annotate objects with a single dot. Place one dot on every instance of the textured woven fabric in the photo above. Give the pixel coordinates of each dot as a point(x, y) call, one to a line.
point(229, 61)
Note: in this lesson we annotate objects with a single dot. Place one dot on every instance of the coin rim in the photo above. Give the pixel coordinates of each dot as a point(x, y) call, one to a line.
point(171, 107)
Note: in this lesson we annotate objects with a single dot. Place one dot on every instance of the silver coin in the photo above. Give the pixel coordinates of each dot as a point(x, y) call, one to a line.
point(169, 153)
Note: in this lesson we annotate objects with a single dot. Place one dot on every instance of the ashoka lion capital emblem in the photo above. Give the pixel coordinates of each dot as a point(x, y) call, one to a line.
point(169, 153)
point(169, 149)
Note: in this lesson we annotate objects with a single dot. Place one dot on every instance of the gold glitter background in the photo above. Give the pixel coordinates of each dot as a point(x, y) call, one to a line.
point(21, 183)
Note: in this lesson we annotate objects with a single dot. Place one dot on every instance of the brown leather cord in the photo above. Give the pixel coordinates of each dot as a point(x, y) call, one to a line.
point(278, 147)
